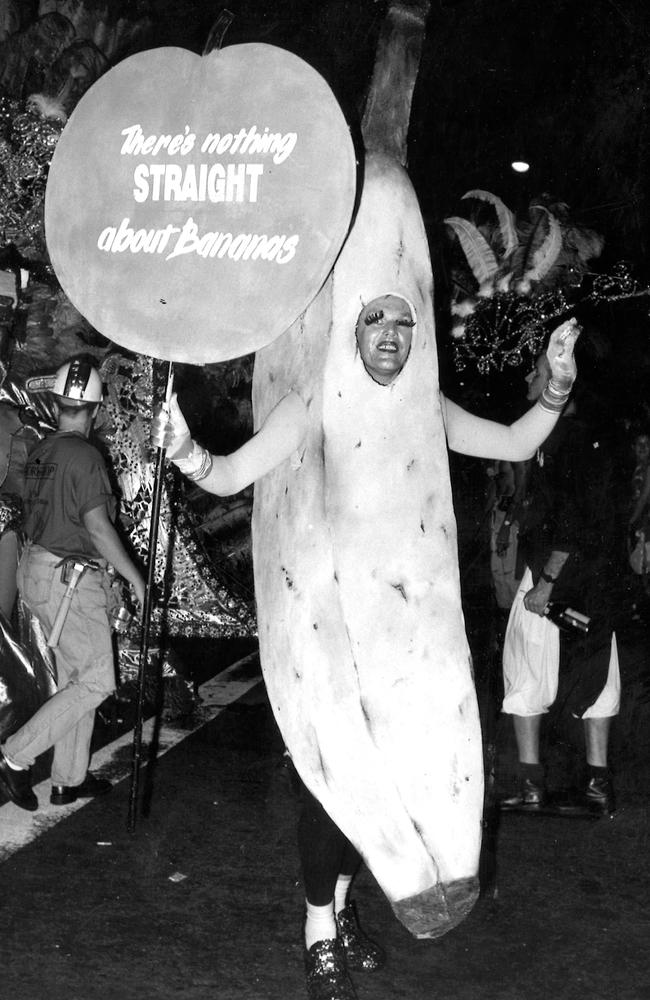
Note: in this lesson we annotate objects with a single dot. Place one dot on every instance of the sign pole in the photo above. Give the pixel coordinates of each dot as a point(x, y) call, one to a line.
point(146, 615)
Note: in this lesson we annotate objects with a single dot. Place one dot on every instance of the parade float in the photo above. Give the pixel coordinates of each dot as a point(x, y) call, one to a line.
point(202, 575)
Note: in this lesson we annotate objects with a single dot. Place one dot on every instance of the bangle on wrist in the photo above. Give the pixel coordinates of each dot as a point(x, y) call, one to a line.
point(203, 470)
point(197, 465)
point(547, 577)
point(555, 396)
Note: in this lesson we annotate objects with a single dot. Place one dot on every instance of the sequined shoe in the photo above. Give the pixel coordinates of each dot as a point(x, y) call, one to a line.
point(361, 953)
point(327, 976)
point(531, 797)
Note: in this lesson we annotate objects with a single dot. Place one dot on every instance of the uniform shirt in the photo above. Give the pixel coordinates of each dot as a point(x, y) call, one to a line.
point(65, 477)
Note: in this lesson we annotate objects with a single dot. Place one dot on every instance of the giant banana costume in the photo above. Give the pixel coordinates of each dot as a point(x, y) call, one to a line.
point(362, 637)
point(360, 623)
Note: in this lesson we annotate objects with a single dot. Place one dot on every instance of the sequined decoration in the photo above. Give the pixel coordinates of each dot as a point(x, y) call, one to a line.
point(11, 512)
point(27, 143)
point(326, 972)
point(508, 328)
point(194, 600)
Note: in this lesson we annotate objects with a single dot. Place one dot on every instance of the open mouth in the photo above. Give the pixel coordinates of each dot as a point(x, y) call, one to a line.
point(388, 346)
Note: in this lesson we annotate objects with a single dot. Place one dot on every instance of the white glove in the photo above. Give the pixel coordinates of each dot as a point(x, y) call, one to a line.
point(560, 355)
point(169, 430)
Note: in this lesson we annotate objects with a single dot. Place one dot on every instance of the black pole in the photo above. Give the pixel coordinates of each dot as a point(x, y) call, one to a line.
point(146, 617)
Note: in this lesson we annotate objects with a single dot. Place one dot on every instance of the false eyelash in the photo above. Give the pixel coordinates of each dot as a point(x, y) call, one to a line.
point(374, 317)
point(407, 322)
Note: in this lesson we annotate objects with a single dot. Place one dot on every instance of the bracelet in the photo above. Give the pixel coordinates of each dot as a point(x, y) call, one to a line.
point(549, 579)
point(554, 397)
point(197, 465)
point(203, 470)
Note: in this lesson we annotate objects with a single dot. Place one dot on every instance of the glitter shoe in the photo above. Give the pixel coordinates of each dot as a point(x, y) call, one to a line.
point(361, 953)
point(327, 977)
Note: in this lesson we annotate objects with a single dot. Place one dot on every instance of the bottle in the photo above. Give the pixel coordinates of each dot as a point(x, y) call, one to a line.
point(567, 618)
point(121, 612)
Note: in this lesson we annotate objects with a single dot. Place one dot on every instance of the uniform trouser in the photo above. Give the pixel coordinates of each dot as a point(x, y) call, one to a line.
point(84, 663)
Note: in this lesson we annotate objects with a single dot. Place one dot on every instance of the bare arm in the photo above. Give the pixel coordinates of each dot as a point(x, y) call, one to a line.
point(281, 434)
point(537, 598)
point(472, 435)
point(109, 545)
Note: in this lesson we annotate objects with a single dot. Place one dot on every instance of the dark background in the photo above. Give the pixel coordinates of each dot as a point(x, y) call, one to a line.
point(563, 83)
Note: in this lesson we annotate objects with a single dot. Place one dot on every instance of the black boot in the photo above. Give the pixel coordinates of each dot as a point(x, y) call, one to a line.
point(599, 795)
point(90, 788)
point(593, 799)
point(532, 797)
point(17, 785)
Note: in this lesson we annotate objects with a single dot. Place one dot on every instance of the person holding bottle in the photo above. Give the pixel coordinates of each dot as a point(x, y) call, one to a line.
point(570, 540)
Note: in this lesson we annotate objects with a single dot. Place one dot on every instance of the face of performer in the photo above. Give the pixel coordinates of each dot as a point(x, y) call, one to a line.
point(538, 378)
point(384, 334)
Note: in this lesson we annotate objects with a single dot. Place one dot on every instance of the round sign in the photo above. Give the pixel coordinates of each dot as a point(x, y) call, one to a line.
point(196, 204)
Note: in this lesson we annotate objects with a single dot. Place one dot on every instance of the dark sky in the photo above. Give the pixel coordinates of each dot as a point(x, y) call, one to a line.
point(566, 82)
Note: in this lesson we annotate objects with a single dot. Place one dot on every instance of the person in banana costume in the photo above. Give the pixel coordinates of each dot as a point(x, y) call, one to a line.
point(382, 347)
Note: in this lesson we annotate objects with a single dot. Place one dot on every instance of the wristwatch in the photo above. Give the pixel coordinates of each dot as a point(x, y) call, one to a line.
point(545, 576)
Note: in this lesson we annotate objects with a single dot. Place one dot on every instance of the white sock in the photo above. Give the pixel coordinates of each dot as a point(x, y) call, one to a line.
point(320, 924)
point(341, 892)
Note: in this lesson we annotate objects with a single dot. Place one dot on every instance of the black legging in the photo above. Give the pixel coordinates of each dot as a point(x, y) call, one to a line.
point(325, 852)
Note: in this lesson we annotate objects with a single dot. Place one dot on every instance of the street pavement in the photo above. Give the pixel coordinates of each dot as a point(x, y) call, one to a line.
point(203, 901)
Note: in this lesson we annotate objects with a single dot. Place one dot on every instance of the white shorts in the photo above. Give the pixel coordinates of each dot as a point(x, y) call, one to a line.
point(531, 658)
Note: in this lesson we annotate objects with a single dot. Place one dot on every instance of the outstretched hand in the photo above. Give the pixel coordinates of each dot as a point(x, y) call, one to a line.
point(559, 353)
point(169, 430)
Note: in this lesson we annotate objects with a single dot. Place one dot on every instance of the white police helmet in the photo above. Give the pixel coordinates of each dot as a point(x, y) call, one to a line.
point(76, 383)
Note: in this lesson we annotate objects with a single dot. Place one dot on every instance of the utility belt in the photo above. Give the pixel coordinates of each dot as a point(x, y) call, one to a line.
point(71, 565)
point(72, 570)
point(67, 563)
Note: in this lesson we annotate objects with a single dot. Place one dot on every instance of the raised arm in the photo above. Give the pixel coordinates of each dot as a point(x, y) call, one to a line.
point(472, 435)
point(280, 435)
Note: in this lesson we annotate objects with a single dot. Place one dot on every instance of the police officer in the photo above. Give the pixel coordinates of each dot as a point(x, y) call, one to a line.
point(69, 514)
